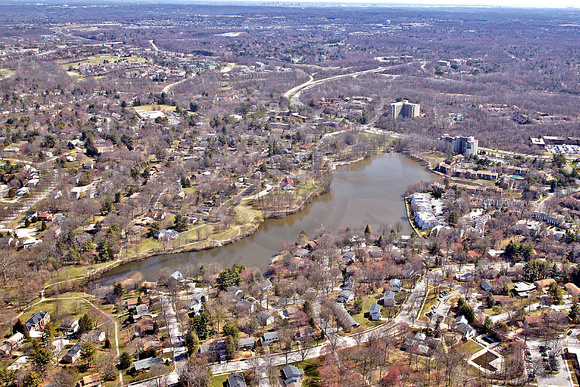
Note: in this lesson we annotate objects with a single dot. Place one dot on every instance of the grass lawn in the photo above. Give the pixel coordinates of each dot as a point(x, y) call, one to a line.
point(363, 318)
point(494, 311)
point(310, 368)
point(76, 307)
point(471, 347)
point(77, 271)
point(219, 381)
point(245, 212)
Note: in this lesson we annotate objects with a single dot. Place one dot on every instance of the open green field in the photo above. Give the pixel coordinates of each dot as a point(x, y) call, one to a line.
point(470, 347)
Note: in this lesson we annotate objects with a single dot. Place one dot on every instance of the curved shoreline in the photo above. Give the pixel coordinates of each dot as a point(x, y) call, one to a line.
point(245, 230)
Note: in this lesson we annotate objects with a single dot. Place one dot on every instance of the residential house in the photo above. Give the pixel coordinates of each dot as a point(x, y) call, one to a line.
point(130, 303)
point(93, 380)
point(269, 338)
point(504, 301)
point(375, 312)
point(215, 351)
point(265, 285)
point(301, 253)
point(94, 336)
point(141, 310)
point(409, 271)
point(155, 344)
point(176, 277)
point(245, 307)
point(555, 318)
point(30, 215)
point(157, 215)
point(292, 375)
point(345, 296)
point(395, 285)
point(304, 332)
point(464, 277)
point(195, 305)
point(265, 318)
point(286, 184)
point(45, 217)
point(543, 285)
point(532, 321)
point(69, 326)
point(11, 343)
point(247, 343)
point(344, 318)
point(389, 298)
point(572, 289)
point(146, 364)
point(349, 257)
point(37, 321)
point(236, 379)
point(235, 292)
point(464, 328)
point(486, 286)
point(523, 289)
point(145, 326)
point(73, 354)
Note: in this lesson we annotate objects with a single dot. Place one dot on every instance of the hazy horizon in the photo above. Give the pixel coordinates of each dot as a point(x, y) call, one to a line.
point(533, 4)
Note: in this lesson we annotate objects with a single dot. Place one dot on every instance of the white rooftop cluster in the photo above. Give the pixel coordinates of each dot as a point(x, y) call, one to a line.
point(427, 210)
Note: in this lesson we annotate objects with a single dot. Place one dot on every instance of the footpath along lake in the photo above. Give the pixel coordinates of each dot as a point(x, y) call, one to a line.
point(367, 192)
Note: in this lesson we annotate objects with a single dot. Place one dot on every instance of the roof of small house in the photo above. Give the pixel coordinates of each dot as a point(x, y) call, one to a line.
point(147, 363)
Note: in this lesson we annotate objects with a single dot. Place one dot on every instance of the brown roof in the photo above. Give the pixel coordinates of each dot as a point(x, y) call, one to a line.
point(572, 289)
point(541, 284)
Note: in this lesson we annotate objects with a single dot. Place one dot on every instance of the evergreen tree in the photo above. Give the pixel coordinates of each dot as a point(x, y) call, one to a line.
point(86, 324)
point(125, 360)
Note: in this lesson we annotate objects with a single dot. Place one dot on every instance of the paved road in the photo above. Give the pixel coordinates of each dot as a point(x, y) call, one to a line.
point(294, 92)
point(179, 350)
point(405, 316)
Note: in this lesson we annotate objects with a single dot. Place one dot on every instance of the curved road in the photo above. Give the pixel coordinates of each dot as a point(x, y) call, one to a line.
point(294, 92)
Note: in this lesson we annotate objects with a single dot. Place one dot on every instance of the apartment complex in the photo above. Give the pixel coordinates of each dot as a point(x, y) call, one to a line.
point(461, 144)
point(404, 109)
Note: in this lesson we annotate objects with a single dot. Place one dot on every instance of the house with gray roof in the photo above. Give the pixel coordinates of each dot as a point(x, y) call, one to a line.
point(37, 321)
point(345, 296)
point(395, 285)
point(246, 343)
point(236, 379)
point(389, 298)
point(265, 318)
point(269, 338)
point(146, 364)
point(292, 374)
point(375, 312)
point(73, 354)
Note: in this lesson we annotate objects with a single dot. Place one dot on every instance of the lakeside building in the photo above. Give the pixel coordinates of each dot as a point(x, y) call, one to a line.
point(465, 145)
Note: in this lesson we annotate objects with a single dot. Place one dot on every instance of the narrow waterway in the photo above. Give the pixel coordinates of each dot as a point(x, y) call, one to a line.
point(368, 192)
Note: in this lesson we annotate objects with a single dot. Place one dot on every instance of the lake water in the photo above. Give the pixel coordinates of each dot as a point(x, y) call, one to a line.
point(368, 192)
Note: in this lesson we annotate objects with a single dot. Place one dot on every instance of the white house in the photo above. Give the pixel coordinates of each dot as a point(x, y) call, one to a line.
point(375, 312)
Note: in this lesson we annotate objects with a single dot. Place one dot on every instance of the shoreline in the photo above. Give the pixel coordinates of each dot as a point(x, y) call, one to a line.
point(254, 223)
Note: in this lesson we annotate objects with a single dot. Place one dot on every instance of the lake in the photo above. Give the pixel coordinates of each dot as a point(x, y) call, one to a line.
point(367, 192)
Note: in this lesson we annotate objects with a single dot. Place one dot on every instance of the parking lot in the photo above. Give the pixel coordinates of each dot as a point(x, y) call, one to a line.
point(546, 363)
